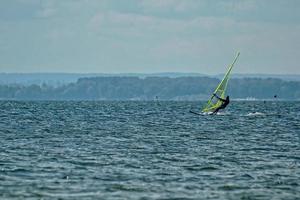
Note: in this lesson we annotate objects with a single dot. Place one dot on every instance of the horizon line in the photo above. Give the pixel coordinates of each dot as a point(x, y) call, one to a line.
point(142, 73)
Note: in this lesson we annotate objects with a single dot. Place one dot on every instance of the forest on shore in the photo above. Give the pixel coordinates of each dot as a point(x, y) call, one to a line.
point(151, 88)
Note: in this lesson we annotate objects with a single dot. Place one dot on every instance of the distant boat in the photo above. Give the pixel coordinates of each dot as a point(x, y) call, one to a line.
point(213, 103)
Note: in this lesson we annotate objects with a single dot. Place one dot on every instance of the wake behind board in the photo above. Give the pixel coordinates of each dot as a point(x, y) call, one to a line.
point(202, 113)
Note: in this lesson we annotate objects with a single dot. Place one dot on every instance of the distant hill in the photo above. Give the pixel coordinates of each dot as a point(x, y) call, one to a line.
point(148, 88)
point(58, 79)
point(285, 77)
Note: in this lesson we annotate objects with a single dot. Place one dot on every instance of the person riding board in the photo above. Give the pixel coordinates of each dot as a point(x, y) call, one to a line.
point(225, 102)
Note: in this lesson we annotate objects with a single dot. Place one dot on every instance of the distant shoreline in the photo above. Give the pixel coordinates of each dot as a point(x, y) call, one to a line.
point(150, 88)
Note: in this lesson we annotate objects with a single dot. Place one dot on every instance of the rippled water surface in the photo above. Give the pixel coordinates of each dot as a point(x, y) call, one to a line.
point(149, 150)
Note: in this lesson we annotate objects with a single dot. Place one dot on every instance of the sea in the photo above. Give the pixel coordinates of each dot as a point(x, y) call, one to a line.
point(149, 150)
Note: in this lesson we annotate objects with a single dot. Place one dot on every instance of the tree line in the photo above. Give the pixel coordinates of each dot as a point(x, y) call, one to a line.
point(150, 88)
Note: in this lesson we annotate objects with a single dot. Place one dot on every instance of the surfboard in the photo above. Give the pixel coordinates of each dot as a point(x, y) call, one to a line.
point(194, 112)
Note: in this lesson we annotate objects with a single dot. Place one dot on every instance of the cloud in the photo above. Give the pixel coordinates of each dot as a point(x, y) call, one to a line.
point(173, 5)
point(28, 1)
point(197, 38)
point(46, 12)
point(238, 6)
point(188, 31)
point(127, 24)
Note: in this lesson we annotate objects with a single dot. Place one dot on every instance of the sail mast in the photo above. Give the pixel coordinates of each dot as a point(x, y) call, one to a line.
point(226, 76)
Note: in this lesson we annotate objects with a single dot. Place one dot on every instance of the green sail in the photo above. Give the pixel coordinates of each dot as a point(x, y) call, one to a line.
point(220, 91)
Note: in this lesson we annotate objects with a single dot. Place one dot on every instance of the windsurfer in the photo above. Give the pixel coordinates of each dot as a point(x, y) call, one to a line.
point(225, 102)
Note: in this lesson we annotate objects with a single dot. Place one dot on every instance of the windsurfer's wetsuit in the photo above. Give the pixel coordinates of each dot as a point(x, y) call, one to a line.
point(225, 102)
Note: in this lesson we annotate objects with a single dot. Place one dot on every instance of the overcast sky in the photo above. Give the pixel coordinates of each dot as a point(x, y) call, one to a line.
point(121, 36)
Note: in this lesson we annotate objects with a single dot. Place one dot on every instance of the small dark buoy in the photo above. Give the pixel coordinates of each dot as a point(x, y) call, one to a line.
point(275, 96)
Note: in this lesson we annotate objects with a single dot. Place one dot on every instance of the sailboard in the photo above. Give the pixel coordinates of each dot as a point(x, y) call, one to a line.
point(213, 102)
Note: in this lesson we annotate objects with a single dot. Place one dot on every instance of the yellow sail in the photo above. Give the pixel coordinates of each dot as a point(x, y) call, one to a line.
point(214, 102)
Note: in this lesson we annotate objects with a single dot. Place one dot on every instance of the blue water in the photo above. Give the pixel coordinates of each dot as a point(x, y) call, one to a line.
point(149, 150)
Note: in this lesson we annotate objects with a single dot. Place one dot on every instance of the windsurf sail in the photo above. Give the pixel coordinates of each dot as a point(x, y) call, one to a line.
point(213, 103)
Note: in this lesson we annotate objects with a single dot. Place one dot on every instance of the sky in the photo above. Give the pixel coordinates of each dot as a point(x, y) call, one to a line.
point(149, 36)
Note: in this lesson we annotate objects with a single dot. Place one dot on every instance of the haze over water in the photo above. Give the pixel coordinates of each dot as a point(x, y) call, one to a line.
point(148, 150)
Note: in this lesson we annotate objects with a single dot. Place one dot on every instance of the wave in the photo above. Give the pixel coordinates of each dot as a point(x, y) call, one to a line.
point(255, 114)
